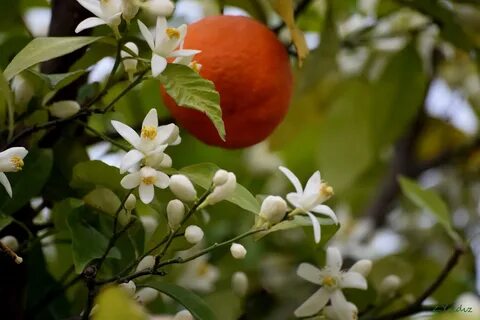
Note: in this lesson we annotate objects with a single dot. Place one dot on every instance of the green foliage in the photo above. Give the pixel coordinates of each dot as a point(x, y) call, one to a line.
point(5, 220)
point(190, 90)
point(43, 49)
point(186, 298)
point(90, 174)
point(103, 200)
point(113, 303)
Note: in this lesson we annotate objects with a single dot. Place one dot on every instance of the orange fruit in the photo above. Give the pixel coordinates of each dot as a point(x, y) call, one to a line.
point(250, 69)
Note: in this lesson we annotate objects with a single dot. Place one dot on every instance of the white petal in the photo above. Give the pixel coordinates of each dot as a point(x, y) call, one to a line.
point(353, 280)
point(293, 179)
point(131, 180)
point(334, 259)
point(151, 119)
point(162, 180)
point(313, 184)
point(159, 64)
point(160, 28)
point(313, 304)
point(20, 152)
point(130, 159)
point(89, 23)
point(146, 34)
point(146, 192)
point(91, 5)
point(184, 53)
point(165, 132)
point(127, 133)
point(310, 273)
point(341, 305)
point(294, 199)
point(4, 181)
point(157, 150)
point(316, 227)
point(326, 210)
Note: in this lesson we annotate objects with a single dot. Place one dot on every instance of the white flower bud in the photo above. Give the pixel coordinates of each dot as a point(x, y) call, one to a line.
point(182, 187)
point(131, 202)
point(146, 263)
point(183, 315)
point(146, 295)
point(240, 283)
point(166, 161)
point(129, 9)
point(390, 284)
point(11, 242)
point(64, 109)
point(193, 234)
point(130, 65)
point(150, 224)
point(129, 287)
point(22, 90)
point(175, 213)
point(273, 209)
point(238, 251)
point(220, 177)
point(223, 191)
point(363, 267)
point(18, 260)
point(160, 8)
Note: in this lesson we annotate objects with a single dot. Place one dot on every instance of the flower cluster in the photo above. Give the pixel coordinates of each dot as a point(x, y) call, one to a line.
point(11, 160)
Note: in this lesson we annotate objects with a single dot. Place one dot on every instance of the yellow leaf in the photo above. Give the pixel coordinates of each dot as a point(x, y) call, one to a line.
point(113, 303)
point(285, 10)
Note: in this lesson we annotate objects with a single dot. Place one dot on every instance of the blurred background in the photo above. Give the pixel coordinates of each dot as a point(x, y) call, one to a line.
point(391, 88)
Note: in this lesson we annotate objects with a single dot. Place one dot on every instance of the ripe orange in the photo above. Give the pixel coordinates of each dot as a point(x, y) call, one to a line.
point(250, 69)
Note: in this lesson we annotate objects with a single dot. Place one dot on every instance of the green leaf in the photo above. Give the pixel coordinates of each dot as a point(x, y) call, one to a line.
point(431, 202)
point(29, 182)
point(58, 80)
point(5, 220)
point(114, 303)
point(190, 90)
point(202, 174)
point(89, 174)
point(87, 242)
point(104, 200)
point(188, 299)
point(43, 49)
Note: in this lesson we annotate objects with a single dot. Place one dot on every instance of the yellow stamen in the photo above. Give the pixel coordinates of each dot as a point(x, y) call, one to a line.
point(172, 33)
point(326, 191)
point(148, 180)
point(149, 132)
point(329, 281)
point(202, 269)
point(195, 66)
point(17, 162)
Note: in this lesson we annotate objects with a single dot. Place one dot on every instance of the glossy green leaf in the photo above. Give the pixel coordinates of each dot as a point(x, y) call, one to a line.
point(198, 308)
point(43, 49)
point(87, 242)
point(190, 90)
point(202, 174)
point(114, 303)
point(27, 183)
point(431, 202)
point(89, 174)
point(104, 200)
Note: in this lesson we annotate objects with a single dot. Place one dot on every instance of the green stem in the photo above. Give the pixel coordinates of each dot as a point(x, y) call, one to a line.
point(103, 136)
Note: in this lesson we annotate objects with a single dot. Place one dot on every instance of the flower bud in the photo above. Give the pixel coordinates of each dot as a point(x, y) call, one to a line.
point(146, 263)
point(182, 187)
point(183, 315)
point(129, 63)
point(273, 209)
point(223, 191)
point(146, 295)
point(131, 202)
point(129, 287)
point(159, 8)
point(240, 283)
point(220, 177)
point(124, 217)
point(150, 224)
point(363, 267)
point(175, 213)
point(129, 10)
point(11, 242)
point(238, 251)
point(390, 284)
point(18, 260)
point(22, 90)
point(193, 234)
point(64, 109)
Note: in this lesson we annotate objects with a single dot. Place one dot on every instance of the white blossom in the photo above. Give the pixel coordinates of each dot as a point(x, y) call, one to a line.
point(238, 251)
point(129, 9)
point(225, 185)
point(145, 180)
point(332, 314)
point(273, 209)
point(309, 201)
point(11, 160)
point(193, 234)
point(106, 11)
point(199, 275)
point(182, 187)
point(129, 287)
point(175, 213)
point(332, 280)
point(363, 267)
point(159, 8)
point(128, 60)
point(147, 262)
point(240, 283)
point(64, 109)
point(164, 43)
point(146, 295)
